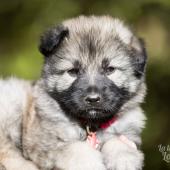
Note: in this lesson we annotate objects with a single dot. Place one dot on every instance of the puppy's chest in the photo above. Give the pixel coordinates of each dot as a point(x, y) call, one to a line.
point(96, 138)
point(75, 132)
point(103, 136)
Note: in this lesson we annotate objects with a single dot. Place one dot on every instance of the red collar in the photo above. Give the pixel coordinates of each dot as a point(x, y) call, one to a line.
point(103, 125)
point(107, 124)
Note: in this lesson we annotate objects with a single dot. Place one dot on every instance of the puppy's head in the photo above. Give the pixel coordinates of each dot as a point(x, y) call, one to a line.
point(94, 67)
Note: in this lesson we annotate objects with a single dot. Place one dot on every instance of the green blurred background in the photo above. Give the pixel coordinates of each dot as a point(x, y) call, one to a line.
point(22, 22)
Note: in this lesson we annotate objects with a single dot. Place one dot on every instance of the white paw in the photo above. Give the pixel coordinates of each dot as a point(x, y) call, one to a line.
point(119, 156)
point(18, 164)
point(81, 156)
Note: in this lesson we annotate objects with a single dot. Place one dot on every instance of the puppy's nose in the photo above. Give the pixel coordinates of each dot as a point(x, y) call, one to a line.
point(92, 98)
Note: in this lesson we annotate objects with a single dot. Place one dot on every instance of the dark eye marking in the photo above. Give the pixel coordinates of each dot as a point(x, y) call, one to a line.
point(109, 70)
point(77, 64)
point(105, 63)
point(75, 71)
point(106, 68)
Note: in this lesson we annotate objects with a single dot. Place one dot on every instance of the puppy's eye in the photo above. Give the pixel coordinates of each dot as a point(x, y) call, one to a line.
point(73, 72)
point(109, 70)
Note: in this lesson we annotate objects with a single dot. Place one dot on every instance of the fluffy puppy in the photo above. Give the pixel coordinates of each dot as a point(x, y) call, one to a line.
point(84, 112)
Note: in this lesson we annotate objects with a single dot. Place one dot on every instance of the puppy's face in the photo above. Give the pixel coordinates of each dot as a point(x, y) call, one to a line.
point(94, 67)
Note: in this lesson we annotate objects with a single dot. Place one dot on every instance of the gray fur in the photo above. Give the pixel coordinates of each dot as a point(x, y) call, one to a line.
point(43, 118)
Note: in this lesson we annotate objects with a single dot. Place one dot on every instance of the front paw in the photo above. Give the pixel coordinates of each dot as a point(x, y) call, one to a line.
point(119, 156)
point(80, 156)
point(17, 164)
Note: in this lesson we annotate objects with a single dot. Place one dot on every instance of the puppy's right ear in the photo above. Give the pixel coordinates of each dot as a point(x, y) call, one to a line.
point(51, 40)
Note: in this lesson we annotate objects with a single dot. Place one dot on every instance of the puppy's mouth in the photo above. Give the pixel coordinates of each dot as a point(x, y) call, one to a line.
point(94, 118)
point(95, 114)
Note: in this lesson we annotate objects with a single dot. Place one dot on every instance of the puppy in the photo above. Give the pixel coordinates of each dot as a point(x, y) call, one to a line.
point(84, 112)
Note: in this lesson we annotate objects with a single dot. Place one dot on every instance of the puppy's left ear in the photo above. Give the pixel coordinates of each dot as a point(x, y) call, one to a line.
point(52, 39)
point(139, 56)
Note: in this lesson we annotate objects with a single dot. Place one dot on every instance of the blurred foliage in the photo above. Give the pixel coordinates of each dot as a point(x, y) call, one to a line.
point(22, 21)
